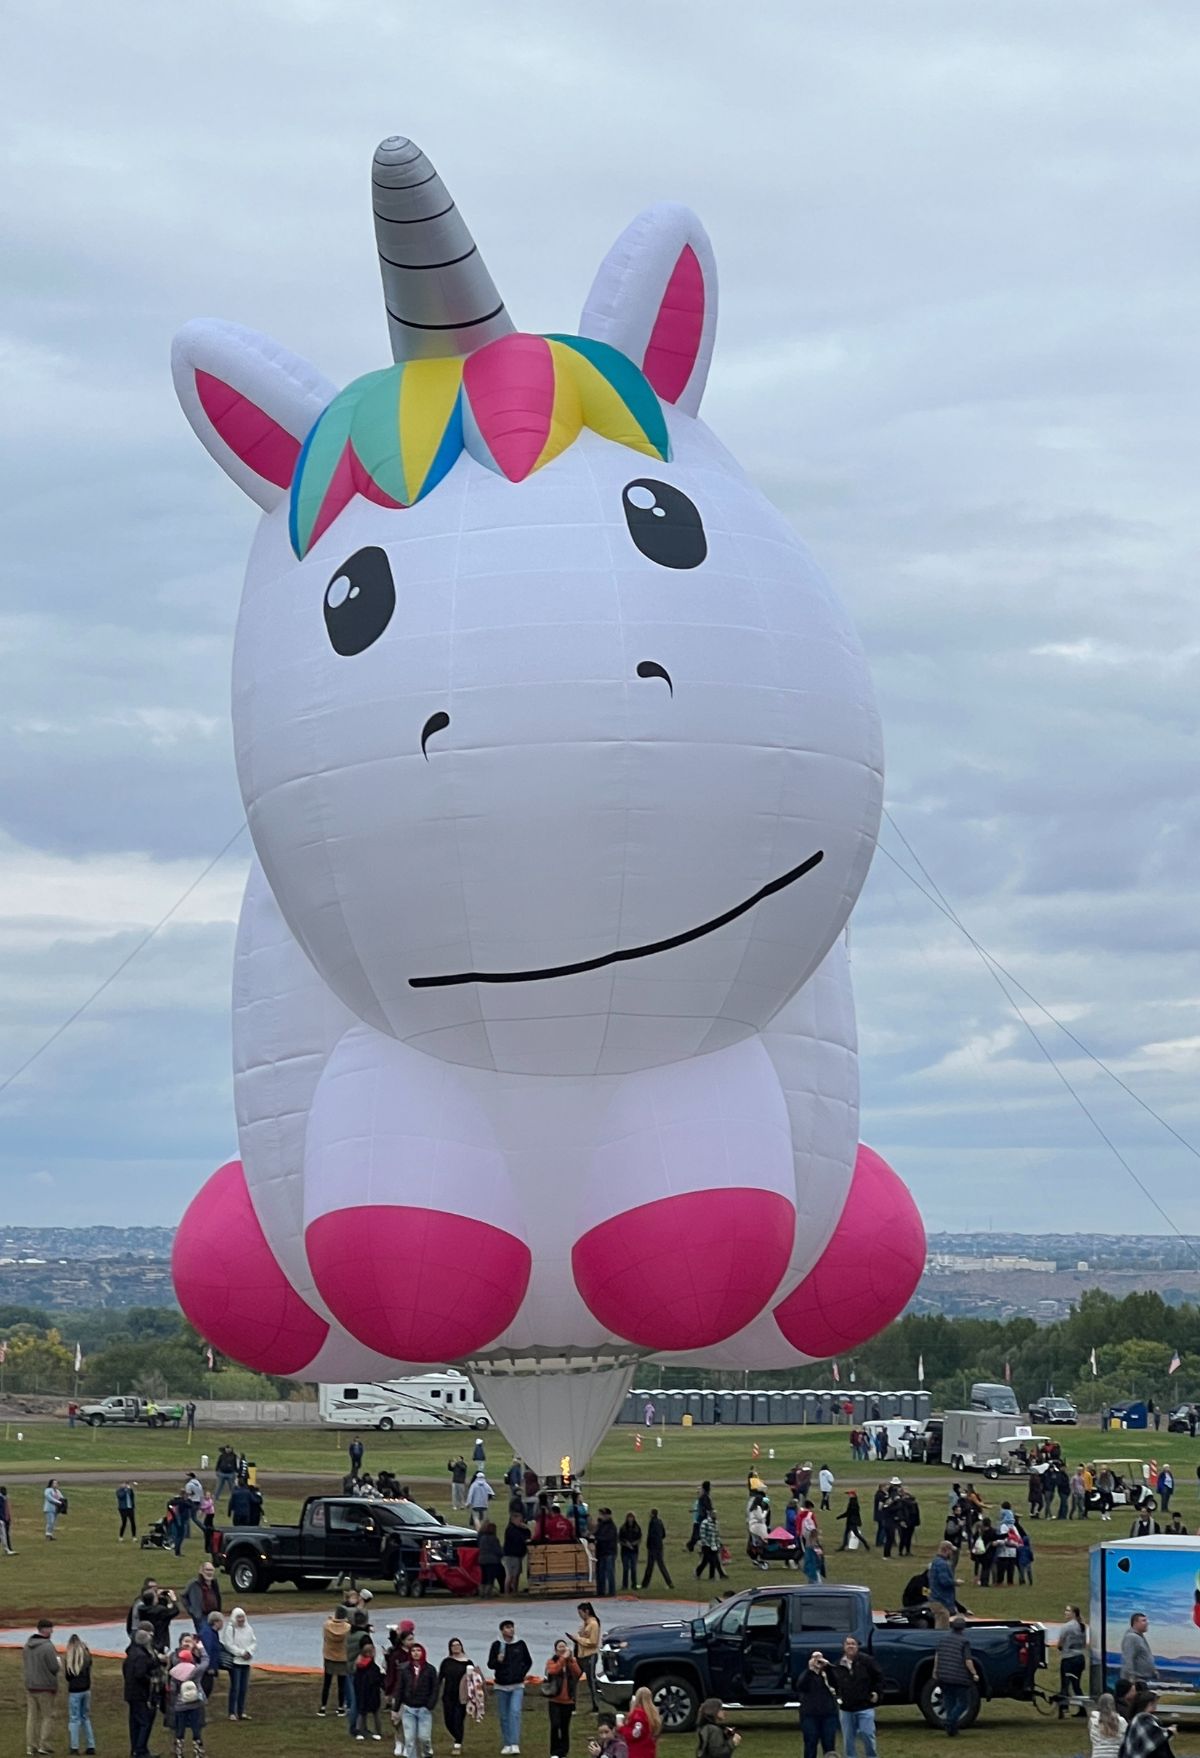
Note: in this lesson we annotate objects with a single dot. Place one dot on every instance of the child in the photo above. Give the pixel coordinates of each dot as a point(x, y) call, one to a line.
point(368, 1693)
point(189, 1717)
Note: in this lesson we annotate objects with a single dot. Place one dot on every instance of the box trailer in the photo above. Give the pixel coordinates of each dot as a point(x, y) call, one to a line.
point(1159, 1576)
point(971, 1439)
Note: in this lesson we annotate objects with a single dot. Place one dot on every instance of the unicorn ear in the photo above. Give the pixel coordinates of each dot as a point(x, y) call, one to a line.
point(250, 402)
point(655, 298)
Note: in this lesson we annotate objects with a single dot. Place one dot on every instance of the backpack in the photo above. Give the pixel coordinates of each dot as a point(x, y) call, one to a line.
point(62, 1506)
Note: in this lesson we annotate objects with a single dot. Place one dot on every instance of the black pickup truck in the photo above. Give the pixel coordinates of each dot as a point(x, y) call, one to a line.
point(749, 1650)
point(370, 1540)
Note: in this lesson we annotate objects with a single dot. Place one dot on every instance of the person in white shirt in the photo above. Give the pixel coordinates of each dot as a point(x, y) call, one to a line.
point(825, 1480)
point(1107, 1728)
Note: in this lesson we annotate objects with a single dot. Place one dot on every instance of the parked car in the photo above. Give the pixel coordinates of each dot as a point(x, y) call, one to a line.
point(367, 1539)
point(1183, 1419)
point(1053, 1410)
point(750, 1649)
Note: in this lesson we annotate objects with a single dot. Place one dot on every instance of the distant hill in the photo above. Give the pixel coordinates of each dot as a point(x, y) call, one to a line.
point(984, 1275)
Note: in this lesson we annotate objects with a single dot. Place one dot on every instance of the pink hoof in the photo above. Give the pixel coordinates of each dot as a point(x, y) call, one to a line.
point(685, 1271)
point(417, 1284)
point(231, 1287)
point(866, 1275)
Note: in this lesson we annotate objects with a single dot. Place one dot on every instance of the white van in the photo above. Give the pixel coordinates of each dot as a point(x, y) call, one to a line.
point(427, 1400)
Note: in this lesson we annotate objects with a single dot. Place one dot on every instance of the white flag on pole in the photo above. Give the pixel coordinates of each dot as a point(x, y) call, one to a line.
point(920, 1370)
point(78, 1358)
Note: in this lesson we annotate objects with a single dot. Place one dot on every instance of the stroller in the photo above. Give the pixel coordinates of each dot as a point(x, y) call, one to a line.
point(780, 1546)
point(156, 1538)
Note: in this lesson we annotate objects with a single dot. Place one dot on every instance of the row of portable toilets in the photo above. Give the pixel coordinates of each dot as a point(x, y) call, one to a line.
point(758, 1409)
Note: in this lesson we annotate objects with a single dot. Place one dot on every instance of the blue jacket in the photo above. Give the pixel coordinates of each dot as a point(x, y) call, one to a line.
point(941, 1582)
point(211, 1642)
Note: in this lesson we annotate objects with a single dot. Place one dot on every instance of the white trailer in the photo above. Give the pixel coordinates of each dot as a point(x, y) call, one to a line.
point(427, 1400)
point(976, 1440)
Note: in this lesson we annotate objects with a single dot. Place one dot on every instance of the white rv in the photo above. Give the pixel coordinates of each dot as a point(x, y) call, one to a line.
point(428, 1400)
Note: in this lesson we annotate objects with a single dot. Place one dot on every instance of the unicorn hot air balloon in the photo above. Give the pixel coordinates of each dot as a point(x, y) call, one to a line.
point(563, 772)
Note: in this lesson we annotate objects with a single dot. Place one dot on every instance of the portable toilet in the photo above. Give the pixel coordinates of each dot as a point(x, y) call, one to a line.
point(889, 1403)
point(705, 1403)
point(726, 1406)
point(743, 1405)
point(631, 1409)
point(908, 1405)
point(672, 1406)
point(760, 1405)
point(777, 1407)
point(924, 1407)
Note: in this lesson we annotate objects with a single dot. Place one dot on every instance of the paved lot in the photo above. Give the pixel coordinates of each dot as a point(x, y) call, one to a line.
point(293, 1639)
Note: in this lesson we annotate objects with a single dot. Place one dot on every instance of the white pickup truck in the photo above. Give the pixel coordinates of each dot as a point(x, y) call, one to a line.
point(128, 1410)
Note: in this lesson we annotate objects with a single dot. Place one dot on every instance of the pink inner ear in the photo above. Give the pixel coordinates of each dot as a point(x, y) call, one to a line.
point(675, 339)
point(262, 445)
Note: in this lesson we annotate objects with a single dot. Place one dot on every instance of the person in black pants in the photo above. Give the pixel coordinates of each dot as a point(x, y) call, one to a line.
point(710, 1549)
point(656, 1538)
point(852, 1515)
point(140, 1669)
point(566, 1672)
point(451, 1674)
point(703, 1505)
point(818, 1708)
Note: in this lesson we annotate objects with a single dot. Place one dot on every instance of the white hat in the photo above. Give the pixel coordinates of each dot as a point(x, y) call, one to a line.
point(896, 1480)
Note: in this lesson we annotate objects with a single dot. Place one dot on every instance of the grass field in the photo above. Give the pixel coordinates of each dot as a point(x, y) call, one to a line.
point(85, 1575)
point(284, 1725)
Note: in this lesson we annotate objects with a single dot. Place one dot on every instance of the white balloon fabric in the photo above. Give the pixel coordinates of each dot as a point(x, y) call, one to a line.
point(563, 771)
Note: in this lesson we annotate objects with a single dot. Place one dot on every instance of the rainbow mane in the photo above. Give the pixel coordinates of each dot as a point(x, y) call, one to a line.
point(513, 405)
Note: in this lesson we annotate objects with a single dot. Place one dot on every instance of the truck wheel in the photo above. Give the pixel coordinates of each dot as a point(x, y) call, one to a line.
point(481, 1422)
point(992, 1473)
point(95, 1422)
point(243, 1572)
point(677, 1700)
point(385, 1425)
point(929, 1702)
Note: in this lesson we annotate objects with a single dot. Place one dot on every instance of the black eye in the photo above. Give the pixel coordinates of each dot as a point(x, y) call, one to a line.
point(664, 524)
point(359, 602)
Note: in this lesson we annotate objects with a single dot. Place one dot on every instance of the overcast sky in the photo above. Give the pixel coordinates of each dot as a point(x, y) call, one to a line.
point(958, 255)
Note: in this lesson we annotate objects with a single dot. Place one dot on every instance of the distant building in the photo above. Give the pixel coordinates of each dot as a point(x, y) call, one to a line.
point(954, 1263)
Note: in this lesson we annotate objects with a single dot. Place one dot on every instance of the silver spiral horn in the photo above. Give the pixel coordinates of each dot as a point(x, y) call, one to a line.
point(439, 296)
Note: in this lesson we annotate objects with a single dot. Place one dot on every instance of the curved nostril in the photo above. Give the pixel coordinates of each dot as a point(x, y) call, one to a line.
point(436, 723)
point(650, 668)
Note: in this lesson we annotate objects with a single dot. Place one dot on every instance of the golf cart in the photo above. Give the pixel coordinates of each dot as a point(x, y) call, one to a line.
point(1014, 1456)
point(1131, 1484)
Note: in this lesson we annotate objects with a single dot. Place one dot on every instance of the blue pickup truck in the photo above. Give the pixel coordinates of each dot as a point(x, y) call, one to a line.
point(749, 1649)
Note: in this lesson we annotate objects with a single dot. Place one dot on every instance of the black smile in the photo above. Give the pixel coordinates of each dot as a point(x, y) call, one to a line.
point(626, 953)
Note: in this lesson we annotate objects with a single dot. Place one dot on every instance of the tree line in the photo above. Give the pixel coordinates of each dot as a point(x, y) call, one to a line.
point(154, 1351)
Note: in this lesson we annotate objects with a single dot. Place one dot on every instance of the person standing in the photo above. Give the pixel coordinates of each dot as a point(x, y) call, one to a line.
point(587, 1646)
point(606, 1554)
point(202, 1595)
point(40, 1670)
point(516, 1548)
point(566, 1672)
point(355, 1450)
point(226, 1473)
point(416, 1693)
point(629, 1542)
point(1072, 1654)
point(1166, 1487)
point(458, 1481)
point(210, 1641)
point(1137, 1656)
point(479, 1495)
point(368, 1694)
point(77, 1670)
point(710, 1548)
point(127, 1509)
point(1106, 1728)
point(193, 1491)
point(643, 1724)
point(955, 1672)
point(190, 1414)
point(6, 1522)
point(510, 1664)
point(701, 1507)
point(818, 1707)
point(852, 1515)
point(656, 1538)
point(714, 1739)
point(825, 1482)
point(53, 1503)
point(856, 1681)
point(478, 1451)
point(334, 1632)
point(238, 1642)
point(943, 1585)
point(452, 1677)
point(140, 1672)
